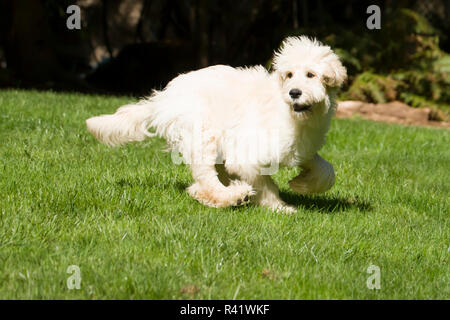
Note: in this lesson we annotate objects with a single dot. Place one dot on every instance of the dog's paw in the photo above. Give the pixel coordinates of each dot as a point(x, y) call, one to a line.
point(241, 193)
point(236, 194)
point(310, 184)
point(316, 180)
point(279, 207)
point(302, 186)
point(242, 202)
point(286, 209)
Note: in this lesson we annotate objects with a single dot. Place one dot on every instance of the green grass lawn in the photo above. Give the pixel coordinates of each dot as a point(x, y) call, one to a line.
point(123, 217)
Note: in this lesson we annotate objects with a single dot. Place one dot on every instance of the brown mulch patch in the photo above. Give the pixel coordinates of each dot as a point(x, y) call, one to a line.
point(269, 274)
point(392, 112)
point(190, 290)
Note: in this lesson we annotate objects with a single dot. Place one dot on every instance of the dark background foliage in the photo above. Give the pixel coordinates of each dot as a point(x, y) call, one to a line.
point(132, 46)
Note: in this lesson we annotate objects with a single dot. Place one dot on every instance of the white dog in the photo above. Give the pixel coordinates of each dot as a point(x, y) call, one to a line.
point(219, 117)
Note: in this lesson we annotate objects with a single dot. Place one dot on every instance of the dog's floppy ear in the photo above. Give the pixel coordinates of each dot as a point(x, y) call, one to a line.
point(334, 73)
point(277, 75)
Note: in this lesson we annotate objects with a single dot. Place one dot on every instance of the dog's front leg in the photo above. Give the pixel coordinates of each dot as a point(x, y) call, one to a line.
point(317, 176)
point(267, 195)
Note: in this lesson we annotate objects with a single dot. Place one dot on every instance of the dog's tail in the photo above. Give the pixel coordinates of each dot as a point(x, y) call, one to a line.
point(129, 123)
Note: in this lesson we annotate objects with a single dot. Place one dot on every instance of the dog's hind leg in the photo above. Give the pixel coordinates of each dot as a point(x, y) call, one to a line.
point(317, 176)
point(208, 189)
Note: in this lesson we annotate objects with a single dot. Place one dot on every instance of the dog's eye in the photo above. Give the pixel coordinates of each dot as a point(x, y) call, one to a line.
point(289, 75)
point(310, 75)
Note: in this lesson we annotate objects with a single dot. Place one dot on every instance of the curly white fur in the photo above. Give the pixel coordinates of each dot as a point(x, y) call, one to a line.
point(235, 123)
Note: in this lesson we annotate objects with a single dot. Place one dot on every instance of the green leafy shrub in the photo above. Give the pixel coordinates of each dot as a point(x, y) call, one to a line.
point(402, 61)
point(373, 88)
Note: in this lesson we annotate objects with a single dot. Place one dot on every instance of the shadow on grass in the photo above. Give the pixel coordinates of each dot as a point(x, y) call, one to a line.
point(181, 186)
point(321, 203)
point(325, 204)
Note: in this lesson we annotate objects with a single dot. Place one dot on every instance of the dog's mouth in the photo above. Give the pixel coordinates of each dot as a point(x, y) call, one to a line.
point(301, 107)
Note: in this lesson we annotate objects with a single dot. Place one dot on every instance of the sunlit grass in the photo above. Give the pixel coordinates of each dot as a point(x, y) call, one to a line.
point(123, 217)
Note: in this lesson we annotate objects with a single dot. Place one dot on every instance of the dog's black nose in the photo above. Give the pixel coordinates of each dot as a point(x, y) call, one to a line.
point(295, 93)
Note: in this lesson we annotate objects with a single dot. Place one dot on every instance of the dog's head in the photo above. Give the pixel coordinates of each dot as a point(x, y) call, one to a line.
point(307, 72)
